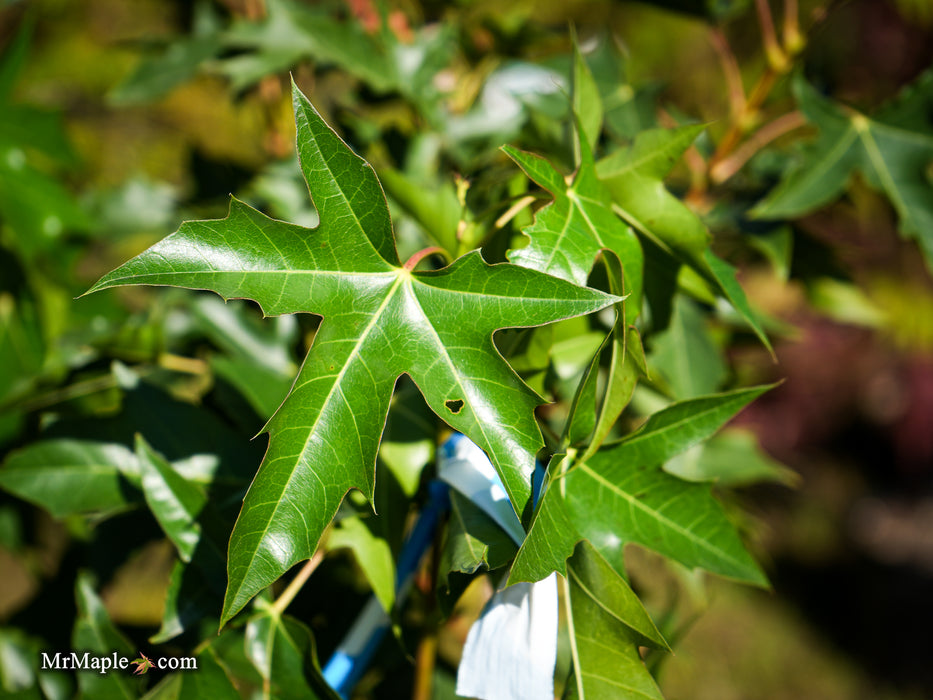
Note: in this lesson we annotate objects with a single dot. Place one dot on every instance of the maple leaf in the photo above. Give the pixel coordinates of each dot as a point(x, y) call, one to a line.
point(381, 320)
point(620, 495)
point(569, 232)
point(143, 664)
point(893, 150)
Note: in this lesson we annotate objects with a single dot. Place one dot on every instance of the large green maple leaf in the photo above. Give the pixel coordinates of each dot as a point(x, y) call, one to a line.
point(380, 320)
point(893, 150)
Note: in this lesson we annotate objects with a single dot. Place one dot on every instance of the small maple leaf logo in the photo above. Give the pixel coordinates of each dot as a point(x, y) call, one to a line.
point(143, 664)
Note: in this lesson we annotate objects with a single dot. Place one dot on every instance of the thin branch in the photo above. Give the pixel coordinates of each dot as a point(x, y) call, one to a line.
point(729, 166)
point(284, 600)
point(776, 57)
point(513, 210)
point(794, 40)
point(749, 114)
point(730, 69)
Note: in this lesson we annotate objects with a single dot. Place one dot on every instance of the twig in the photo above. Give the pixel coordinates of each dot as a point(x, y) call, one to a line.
point(285, 599)
point(793, 39)
point(730, 68)
point(776, 57)
point(730, 165)
point(746, 119)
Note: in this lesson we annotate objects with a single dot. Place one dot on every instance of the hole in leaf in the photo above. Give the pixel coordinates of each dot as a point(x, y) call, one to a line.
point(454, 405)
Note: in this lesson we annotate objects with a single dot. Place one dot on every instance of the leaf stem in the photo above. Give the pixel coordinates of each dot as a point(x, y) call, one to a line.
point(425, 658)
point(514, 209)
point(295, 585)
point(731, 164)
point(746, 118)
point(730, 69)
point(413, 261)
point(777, 59)
point(794, 40)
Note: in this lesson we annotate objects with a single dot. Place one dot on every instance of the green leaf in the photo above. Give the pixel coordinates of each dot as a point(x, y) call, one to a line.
point(211, 680)
point(892, 151)
point(372, 553)
point(283, 651)
point(435, 326)
point(21, 348)
point(474, 541)
point(96, 634)
point(587, 104)
point(177, 63)
point(732, 458)
point(607, 624)
point(568, 233)
point(434, 206)
point(620, 495)
point(634, 176)
point(72, 476)
point(174, 501)
point(685, 354)
point(21, 674)
point(292, 31)
point(189, 599)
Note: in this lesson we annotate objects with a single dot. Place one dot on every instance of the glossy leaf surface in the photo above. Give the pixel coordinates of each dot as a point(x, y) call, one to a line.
point(620, 495)
point(380, 321)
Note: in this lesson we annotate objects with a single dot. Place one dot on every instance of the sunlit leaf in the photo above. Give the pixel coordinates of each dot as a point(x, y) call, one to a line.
point(435, 326)
point(621, 495)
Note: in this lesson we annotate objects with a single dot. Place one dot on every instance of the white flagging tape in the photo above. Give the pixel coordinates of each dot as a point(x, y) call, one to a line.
point(511, 649)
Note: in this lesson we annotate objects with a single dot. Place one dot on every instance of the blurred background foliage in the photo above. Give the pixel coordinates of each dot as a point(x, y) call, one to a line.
point(119, 120)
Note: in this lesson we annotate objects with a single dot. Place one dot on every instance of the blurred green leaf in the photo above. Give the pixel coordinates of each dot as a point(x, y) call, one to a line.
point(95, 633)
point(685, 354)
point(372, 553)
point(176, 63)
point(292, 31)
point(892, 151)
point(587, 105)
point(731, 458)
point(73, 476)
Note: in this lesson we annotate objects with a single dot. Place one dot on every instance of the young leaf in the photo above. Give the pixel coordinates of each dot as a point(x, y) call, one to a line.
point(380, 320)
point(620, 495)
point(893, 152)
point(568, 233)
